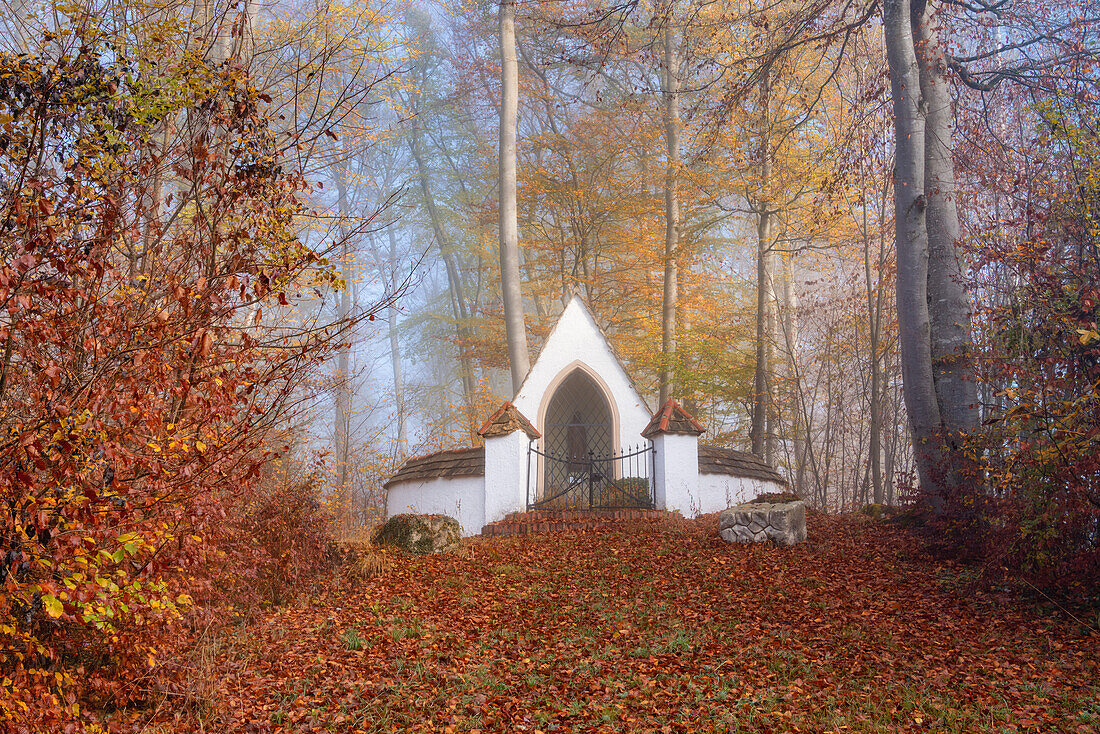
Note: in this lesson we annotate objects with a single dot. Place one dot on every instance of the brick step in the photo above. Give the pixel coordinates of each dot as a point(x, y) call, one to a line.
point(549, 521)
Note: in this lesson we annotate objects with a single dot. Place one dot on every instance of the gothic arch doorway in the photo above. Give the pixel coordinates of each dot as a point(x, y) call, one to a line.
point(580, 467)
point(578, 422)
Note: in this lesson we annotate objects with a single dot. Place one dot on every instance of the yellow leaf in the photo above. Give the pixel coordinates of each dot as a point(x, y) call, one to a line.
point(52, 606)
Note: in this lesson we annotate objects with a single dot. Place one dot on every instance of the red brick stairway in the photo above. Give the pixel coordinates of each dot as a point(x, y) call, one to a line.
point(550, 521)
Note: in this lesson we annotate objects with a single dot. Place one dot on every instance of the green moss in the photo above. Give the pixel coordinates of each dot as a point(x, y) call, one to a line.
point(876, 512)
point(413, 533)
point(776, 497)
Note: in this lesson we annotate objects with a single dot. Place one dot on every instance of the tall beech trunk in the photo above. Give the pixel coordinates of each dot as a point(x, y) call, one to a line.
point(933, 315)
point(765, 293)
point(949, 305)
point(343, 357)
point(794, 378)
point(669, 294)
point(765, 302)
point(914, 322)
point(773, 328)
point(874, 320)
point(875, 295)
point(511, 290)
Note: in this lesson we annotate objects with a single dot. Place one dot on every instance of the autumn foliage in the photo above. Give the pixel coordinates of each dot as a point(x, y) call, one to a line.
point(147, 220)
point(1041, 443)
point(660, 627)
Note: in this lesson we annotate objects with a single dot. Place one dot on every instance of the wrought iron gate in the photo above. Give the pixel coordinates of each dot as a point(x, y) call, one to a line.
point(613, 481)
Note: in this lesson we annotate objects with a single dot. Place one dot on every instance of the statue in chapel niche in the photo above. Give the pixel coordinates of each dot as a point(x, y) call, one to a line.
point(576, 442)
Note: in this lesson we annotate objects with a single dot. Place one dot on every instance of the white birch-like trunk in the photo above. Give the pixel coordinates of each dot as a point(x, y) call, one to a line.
point(794, 377)
point(342, 408)
point(511, 290)
point(874, 319)
point(395, 356)
point(765, 290)
point(910, 205)
point(949, 305)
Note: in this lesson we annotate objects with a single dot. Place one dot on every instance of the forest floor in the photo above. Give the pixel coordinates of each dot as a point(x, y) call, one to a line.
point(660, 628)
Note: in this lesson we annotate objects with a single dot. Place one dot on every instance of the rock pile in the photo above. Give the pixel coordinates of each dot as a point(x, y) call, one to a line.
point(781, 523)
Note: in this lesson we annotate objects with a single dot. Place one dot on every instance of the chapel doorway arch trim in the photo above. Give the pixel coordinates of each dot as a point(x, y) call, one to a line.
point(608, 396)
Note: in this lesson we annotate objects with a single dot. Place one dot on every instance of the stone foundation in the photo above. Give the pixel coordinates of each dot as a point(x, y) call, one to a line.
point(551, 521)
point(782, 523)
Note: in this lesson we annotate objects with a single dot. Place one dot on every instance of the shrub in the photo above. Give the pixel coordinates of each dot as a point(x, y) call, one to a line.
point(293, 530)
point(776, 497)
point(140, 387)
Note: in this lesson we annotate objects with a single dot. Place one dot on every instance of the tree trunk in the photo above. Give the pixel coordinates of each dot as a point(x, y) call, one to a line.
point(772, 422)
point(395, 356)
point(910, 204)
point(765, 295)
point(669, 294)
point(933, 309)
point(875, 448)
point(794, 378)
point(874, 294)
point(949, 305)
point(343, 375)
point(511, 290)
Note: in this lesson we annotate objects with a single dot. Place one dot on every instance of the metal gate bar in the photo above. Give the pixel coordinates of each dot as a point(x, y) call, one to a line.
point(614, 481)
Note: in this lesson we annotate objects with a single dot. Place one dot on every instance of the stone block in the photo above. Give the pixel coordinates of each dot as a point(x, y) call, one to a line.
point(781, 523)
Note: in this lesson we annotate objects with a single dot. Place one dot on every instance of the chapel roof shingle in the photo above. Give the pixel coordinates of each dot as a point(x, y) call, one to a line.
point(719, 460)
point(451, 463)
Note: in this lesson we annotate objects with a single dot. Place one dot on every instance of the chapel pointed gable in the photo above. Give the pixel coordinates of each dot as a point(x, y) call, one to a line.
point(578, 342)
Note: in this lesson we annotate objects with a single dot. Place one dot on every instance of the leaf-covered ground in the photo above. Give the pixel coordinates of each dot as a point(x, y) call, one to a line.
point(661, 628)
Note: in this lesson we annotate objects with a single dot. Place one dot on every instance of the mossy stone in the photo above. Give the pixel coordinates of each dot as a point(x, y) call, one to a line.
point(420, 534)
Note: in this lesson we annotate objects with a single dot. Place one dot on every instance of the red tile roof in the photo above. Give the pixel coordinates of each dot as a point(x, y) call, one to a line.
point(507, 420)
point(672, 418)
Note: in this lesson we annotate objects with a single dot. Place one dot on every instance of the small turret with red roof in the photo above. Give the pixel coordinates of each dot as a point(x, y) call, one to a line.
point(672, 418)
point(506, 420)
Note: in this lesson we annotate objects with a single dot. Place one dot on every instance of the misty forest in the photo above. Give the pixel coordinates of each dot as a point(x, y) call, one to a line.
point(263, 260)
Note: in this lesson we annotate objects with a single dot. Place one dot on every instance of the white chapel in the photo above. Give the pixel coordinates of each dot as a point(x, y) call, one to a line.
point(579, 436)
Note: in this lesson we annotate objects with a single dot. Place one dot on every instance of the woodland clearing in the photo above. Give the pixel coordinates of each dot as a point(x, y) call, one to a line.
point(658, 628)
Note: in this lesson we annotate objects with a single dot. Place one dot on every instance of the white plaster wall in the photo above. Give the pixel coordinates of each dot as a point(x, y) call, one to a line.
point(506, 467)
point(463, 498)
point(676, 466)
point(576, 338)
point(717, 492)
